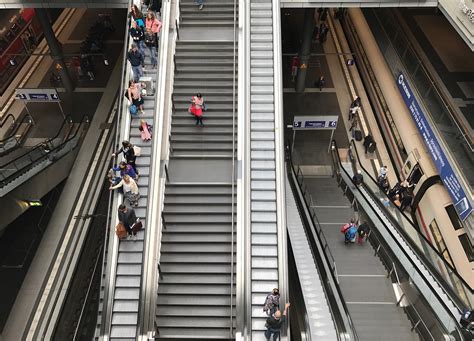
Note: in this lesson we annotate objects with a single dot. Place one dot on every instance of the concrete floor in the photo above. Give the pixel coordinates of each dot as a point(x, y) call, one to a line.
point(367, 291)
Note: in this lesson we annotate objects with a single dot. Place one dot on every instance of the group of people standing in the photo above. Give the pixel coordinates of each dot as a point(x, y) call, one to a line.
point(144, 31)
point(400, 194)
point(352, 232)
point(126, 181)
point(321, 27)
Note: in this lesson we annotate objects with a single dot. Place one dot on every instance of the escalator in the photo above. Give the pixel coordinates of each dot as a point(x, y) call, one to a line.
point(119, 312)
point(15, 134)
point(21, 168)
point(440, 289)
point(267, 237)
point(320, 311)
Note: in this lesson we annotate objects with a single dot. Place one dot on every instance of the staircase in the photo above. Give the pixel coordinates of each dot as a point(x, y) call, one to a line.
point(196, 291)
point(264, 229)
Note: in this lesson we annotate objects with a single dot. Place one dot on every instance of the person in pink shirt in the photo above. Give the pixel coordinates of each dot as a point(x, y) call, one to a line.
point(196, 108)
point(152, 29)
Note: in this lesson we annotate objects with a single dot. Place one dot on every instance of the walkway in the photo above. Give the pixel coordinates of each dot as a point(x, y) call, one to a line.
point(363, 279)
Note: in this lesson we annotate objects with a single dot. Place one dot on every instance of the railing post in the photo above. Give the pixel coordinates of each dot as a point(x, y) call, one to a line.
point(177, 28)
point(160, 274)
point(166, 173)
point(377, 250)
point(400, 300)
point(391, 270)
point(416, 325)
point(163, 221)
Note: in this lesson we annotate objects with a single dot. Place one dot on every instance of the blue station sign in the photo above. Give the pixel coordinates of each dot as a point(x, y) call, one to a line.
point(314, 122)
point(453, 185)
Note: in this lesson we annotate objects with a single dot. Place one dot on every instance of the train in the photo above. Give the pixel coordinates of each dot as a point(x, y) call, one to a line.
point(435, 213)
point(19, 37)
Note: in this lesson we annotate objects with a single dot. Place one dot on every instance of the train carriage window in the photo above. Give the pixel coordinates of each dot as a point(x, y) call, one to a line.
point(454, 217)
point(415, 175)
point(467, 246)
point(439, 242)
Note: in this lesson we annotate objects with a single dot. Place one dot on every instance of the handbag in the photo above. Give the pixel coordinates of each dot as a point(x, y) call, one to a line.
point(137, 150)
point(137, 226)
point(121, 231)
point(150, 39)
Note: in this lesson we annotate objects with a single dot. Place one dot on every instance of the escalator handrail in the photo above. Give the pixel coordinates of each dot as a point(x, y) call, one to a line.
point(17, 126)
point(302, 200)
point(4, 120)
point(39, 145)
point(85, 120)
point(440, 281)
point(420, 235)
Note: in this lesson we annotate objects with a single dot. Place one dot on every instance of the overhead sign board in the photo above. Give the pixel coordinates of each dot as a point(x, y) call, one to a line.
point(453, 185)
point(314, 122)
point(37, 95)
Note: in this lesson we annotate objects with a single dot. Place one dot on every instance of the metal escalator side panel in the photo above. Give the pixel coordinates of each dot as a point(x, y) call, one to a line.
point(321, 324)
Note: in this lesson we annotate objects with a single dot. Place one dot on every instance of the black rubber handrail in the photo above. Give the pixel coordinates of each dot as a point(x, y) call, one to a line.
point(5, 181)
point(17, 126)
point(460, 304)
point(292, 174)
point(420, 235)
point(4, 120)
point(41, 144)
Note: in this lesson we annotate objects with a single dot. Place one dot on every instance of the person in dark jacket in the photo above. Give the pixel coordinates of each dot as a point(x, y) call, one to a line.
point(128, 154)
point(355, 105)
point(358, 178)
point(274, 324)
point(127, 217)
point(138, 35)
point(362, 232)
point(136, 60)
point(369, 144)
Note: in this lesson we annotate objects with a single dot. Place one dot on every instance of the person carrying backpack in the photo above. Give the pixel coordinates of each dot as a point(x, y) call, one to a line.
point(272, 302)
point(274, 324)
point(349, 230)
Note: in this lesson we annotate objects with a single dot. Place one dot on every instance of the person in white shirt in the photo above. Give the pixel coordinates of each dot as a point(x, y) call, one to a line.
point(130, 190)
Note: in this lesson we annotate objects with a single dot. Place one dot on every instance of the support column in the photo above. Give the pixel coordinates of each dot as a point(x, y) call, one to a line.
point(55, 48)
point(305, 54)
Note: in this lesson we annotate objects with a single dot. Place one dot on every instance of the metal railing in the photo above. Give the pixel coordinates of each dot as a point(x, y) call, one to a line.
point(461, 299)
point(461, 291)
point(418, 323)
point(234, 178)
point(12, 139)
point(314, 232)
point(51, 150)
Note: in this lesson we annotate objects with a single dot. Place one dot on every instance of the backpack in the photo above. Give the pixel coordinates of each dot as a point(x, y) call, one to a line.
point(371, 147)
point(133, 109)
point(357, 134)
point(270, 305)
point(346, 227)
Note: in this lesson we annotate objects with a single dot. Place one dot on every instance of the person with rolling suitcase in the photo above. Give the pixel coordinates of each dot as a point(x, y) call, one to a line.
point(128, 218)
